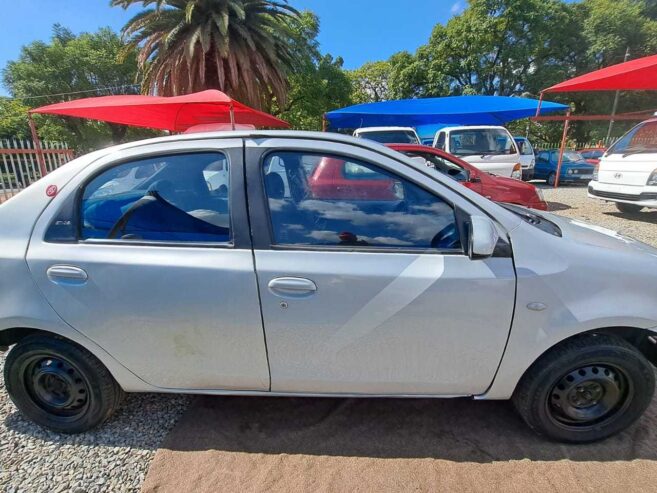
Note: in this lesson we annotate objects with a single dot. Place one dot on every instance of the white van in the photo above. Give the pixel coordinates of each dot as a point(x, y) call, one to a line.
point(627, 173)
point(489, 148)
point(389, 135)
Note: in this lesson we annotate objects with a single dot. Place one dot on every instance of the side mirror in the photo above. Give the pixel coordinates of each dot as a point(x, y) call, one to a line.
point(474, 178)
point(483, 237)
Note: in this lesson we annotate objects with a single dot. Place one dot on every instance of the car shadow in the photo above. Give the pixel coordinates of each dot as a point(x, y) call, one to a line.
point(646, 216)
point(557, 206)
point(454, 429)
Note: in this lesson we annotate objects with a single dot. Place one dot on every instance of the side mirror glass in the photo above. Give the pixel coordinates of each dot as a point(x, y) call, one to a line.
point(483, 237)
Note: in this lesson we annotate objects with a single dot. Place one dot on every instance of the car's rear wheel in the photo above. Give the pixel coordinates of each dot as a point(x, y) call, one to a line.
point(586, 389)
point(551, 179)
point(60, 385)
point(629, 208)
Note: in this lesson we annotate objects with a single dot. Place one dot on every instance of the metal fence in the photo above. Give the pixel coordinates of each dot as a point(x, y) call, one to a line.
point(578, 145)
point(21, 164)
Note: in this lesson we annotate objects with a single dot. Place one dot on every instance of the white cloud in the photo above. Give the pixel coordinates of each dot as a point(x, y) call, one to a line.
point(457, 8)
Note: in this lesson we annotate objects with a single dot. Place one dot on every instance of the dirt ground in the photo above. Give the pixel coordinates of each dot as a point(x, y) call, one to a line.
point(333, 445)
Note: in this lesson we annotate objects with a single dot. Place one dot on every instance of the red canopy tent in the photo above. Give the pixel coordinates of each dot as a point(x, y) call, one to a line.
point(633, 75)
point(176, 114)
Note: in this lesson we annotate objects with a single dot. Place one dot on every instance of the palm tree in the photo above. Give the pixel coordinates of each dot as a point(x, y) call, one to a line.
point(242, 47)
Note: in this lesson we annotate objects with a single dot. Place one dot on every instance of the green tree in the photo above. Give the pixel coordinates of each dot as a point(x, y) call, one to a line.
point(69, 67)
point(318, 84)
point(242, 47)
point(371, 82)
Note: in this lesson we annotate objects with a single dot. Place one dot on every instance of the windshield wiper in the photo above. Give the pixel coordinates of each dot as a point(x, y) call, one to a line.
point(638, 151)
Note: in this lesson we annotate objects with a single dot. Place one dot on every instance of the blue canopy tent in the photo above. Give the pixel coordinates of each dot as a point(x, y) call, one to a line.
point(429, 114)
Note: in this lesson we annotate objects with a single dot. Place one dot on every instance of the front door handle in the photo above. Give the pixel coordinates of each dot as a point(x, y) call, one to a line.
point(292, 287)
point(67, 274)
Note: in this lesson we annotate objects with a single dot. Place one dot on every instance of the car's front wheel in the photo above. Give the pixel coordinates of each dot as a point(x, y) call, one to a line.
point(551, 179)
point(59, 385)
point(585, 389)
point(628, 208)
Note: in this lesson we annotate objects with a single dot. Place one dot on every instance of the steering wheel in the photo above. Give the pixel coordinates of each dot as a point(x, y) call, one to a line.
point(448, 237)
point(120, 225)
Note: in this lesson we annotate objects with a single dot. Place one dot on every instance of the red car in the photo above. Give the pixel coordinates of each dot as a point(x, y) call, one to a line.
point(497, 188)
point(592, 154)
point(335, 179)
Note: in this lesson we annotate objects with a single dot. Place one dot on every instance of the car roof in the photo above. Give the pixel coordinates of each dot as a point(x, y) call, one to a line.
point(252, 134)
point(473, 127)
point(382, 129)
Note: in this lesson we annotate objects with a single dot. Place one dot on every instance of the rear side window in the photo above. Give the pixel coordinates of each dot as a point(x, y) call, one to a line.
point(344, 202)
point(177, 198)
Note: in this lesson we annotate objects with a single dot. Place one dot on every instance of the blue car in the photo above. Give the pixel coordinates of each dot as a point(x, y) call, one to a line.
point(574, 168)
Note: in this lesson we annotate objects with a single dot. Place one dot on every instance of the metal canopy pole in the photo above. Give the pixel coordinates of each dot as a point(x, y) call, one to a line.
point(232, 116)
point(615, 105)
point(37, 146)
point(566, 124)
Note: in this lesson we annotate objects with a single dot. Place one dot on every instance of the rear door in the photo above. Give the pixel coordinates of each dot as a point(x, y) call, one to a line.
point(159, 270)
point(370, 294)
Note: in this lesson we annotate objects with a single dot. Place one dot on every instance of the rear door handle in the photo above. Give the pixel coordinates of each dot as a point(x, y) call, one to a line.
point(67, 274)
point(292, 287)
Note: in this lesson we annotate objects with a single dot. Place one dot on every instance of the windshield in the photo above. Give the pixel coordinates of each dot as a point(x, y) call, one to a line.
point(594, 154)
point(534, 219)
point(642, 138)
point(481, 141)
point(391, 137)
point(571, 157)
point(442, 165)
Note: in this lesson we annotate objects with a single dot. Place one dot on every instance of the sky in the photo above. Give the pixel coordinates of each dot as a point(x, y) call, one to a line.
point(357, 30)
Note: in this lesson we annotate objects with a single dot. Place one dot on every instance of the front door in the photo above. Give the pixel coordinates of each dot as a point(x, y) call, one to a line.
point(148, 254)
point(366, 289)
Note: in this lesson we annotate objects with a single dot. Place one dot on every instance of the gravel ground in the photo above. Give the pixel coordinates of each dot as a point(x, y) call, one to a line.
point(116, 457)
point(572, 201)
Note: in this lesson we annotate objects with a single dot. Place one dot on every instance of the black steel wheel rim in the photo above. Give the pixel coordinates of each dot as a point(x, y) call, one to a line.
point(56, 385)
point(589, 395)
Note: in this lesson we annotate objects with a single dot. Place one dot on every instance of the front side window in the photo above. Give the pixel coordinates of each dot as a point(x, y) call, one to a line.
point(177, 198)
point(440, 141)
point(346, 202)
point(524, 147)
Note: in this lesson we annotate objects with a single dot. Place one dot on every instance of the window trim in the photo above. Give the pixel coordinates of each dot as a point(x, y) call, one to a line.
point(351, 248)
point(77, 196)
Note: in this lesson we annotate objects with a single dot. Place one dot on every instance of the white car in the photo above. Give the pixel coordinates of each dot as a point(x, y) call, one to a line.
point(388, 135)
point(627, 172)
point(489, 148)
point(388, 280)
point(527, 157)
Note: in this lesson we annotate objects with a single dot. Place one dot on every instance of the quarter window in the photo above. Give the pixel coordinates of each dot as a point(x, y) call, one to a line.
point(177, 198)
point(339, 201)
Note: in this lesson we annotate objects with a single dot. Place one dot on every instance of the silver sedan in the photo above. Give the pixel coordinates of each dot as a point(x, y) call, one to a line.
point(314, 265)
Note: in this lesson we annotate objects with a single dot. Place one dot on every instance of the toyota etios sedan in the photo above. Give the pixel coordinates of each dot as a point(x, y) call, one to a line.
point(132, 270)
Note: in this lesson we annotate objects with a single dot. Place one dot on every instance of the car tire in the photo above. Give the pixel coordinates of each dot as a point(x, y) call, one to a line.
point(551, 179)
point(585, 389)
point(60, 385)
point(628, 208)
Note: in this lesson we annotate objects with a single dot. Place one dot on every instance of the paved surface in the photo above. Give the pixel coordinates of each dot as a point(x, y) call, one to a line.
point(334, 445)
